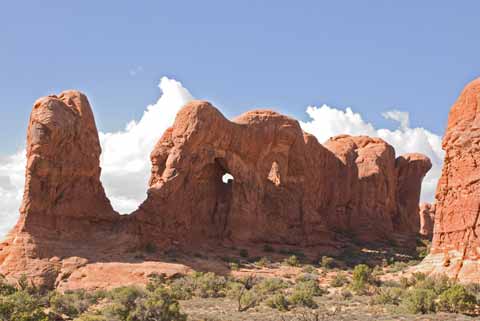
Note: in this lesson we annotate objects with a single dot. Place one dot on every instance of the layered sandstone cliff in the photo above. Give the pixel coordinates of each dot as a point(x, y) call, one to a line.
point(456, 243)
point(287, 188)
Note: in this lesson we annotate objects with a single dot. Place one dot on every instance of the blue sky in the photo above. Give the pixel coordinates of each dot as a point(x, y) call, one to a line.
point(370, 55)
point(399, 65)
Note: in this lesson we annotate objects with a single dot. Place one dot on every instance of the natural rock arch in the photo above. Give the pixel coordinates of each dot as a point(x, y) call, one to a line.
point(287, 189)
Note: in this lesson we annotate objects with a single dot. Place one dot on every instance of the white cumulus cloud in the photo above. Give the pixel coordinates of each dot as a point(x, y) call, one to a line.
point(12, 177)
point(125, 157)
point(326, 122)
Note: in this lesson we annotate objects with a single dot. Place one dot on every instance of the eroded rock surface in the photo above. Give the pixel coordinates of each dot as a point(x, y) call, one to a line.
point(456, 245)
point(287, 189)
point(427, 219)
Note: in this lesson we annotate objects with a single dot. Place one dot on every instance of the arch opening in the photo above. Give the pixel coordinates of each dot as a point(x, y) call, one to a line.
point(227, 178)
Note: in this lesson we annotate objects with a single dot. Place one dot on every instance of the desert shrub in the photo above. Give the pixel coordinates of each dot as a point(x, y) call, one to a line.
point(391, 284)
point(91, 317)
point(473, 288)
point(157, 306)
point(404, 282)
point(122, 302)
point(234, 266)
point(388, 296)
point(377, 271)
point(263, 262)
point(305, 277)
point(270, 286)
point(5, 287)
point(304, 292)
point(22, 306)
point(302, 297)
point(292, 261)
point(362, 277)
point(204, 285)
point(328, 262)
point(278, 302)
point(423, 248)
point(339, 280)
point(345, 294)
point(437, 284)
point(243, 253)
point(310, 269)
point(418, 300)
point(456, 299)
point(419, 277)
point(182, 288)
point(233, 289)
point(156, 281)
point(72, 303)
point(209, 285)
point(135, 304)
point(397, 267)
point(248, 299)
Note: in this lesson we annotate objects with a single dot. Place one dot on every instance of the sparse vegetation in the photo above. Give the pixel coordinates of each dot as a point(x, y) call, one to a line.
point(361, 278)
point(339, 280)
point(456, 299)
point(292, 261)
point(327, 262)
point(357, 291)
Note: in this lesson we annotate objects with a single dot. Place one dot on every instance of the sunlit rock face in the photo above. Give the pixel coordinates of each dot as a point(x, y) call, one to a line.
point(427, 219)
point(282, 187)
point(456, 245)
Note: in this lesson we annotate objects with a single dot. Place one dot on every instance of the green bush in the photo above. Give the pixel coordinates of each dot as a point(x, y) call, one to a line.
point(91, 317)
point(72, 303)
point(182, 288)
point(279, 302)
point(456, 299)
point(270, 286)
point(397, 267)
point(419, 301)
point(328, 262)
point(204, 285)
point(156, 281)
point(122, 302)
point(234, 266)
point(388, 296)
point(292, 261)
point(362, 277)
point(339, 280)
point(248, 299)
point(346, 294)
point(5, 287)
point(304, 292)
point(22, 306)
point(263, 262)
point(157, 306)
point(310, 269)
point(209, 285)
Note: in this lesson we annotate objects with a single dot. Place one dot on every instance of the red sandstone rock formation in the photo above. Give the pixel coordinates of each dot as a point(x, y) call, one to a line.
point(427, 218)
point(456, 245)
point(287, 189)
